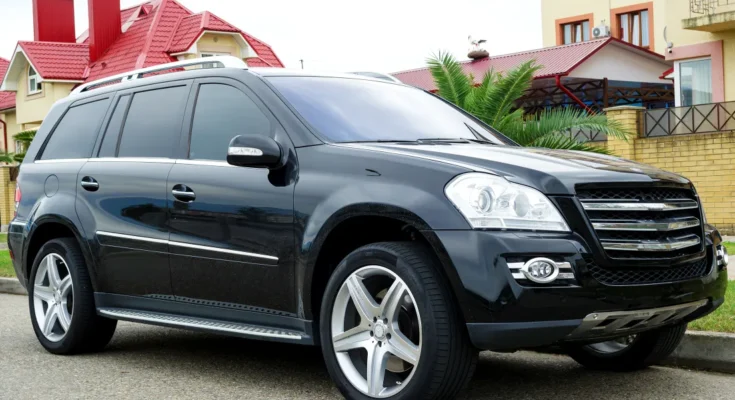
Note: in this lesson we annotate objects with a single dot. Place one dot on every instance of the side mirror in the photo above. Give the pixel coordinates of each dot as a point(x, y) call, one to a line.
point(254, 151)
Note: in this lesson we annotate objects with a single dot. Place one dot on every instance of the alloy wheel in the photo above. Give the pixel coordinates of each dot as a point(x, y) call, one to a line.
point(53, 297)
point(376, 331)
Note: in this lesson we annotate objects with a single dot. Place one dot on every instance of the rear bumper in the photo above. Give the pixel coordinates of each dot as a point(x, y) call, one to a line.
point(503, 314)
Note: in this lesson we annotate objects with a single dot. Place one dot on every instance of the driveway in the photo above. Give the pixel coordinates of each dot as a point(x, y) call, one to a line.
point(145, 362)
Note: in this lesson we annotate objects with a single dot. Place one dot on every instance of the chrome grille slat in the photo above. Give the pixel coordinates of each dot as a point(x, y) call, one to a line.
point(678, 244)
point(637, 206)
point(646, 225)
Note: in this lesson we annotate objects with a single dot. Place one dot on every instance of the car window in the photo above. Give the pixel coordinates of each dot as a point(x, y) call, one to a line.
point(76, 133)
point(112, 133)
point(354, 110)
point(153, 124)
point(221, 113)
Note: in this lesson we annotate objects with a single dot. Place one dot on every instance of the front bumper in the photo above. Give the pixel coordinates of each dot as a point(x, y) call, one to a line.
point(502, 314)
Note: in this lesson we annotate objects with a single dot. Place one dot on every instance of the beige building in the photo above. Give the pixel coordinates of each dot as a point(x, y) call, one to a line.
point(697, 35)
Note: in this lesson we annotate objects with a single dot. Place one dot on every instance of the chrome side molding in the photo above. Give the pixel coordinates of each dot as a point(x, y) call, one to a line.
point(668, 206)
point(647, 226)
point(187, 245)
point(678, 244)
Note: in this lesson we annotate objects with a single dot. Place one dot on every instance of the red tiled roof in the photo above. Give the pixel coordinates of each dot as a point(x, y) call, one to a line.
point(191, 27)
point(52, 60)
point(164, 27)
point(559, 60)
point(7, 99)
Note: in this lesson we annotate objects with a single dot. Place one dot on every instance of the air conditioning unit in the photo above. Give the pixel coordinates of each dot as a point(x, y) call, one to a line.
point(601, 31)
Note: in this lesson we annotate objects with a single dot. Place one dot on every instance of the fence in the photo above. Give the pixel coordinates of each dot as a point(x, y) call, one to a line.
point(584, 135)
point(708, 7)
point(703, 118)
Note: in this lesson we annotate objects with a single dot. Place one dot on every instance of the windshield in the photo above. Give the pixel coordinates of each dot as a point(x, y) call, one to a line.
point(359, 110)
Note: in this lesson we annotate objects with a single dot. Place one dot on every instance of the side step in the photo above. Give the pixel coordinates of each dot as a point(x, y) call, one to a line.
point(212, 325)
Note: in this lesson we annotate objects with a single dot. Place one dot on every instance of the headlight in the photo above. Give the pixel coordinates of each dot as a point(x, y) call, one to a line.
point(489, 201)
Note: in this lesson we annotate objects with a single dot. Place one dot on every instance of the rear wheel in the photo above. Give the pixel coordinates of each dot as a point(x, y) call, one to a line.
point(390, 327)
point(61, 301)
point(629, 353)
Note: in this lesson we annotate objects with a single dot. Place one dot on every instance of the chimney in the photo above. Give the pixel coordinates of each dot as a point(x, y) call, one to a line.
point(53, 21)
point(104, 26)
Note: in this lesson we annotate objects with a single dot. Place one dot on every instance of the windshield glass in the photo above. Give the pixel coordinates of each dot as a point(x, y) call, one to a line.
point(358, 110)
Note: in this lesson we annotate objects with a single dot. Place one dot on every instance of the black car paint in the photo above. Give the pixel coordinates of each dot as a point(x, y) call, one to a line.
point(289, 213)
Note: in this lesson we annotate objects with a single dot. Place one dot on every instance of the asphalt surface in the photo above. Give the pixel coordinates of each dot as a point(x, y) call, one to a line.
point(145, 362)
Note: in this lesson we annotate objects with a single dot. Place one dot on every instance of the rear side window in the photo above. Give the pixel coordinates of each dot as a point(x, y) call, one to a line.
point(112, 134)
point(76, 133)
point(153, 124)
point(223, 112)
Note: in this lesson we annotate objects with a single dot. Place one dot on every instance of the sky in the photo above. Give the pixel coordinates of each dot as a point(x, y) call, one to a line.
point(341, 35)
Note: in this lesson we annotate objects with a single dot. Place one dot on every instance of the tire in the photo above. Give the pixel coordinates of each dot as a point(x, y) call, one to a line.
point(446, 358)
point(648, 348)
point(86, 331)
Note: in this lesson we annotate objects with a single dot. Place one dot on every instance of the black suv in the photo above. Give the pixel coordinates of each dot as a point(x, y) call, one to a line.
point(370, 218)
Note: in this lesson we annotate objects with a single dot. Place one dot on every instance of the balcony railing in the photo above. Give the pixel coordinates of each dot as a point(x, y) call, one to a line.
point(703, 118)
point(698, 8)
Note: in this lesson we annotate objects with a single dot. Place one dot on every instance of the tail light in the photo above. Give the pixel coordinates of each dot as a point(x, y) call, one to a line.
point(18, 196)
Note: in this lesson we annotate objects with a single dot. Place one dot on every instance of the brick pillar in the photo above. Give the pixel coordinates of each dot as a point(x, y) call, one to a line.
point(7, 196)
point(630, 118)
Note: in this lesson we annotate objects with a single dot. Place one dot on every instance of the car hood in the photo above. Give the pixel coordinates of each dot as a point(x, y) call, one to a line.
point(550, 171)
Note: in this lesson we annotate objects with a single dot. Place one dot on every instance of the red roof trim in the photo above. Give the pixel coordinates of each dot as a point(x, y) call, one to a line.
point(667, 73)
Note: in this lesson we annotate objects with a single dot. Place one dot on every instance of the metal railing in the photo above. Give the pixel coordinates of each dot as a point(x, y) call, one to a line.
point(703, 118)
point(709, 7)
point(584, 135)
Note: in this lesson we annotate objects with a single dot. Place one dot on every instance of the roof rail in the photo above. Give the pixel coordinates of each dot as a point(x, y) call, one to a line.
point(218, 61)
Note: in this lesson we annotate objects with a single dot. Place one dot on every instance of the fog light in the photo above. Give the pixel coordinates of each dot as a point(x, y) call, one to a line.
point(722, 257)
point(540, 270)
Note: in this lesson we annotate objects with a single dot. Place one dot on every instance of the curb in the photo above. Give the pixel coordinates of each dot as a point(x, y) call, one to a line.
point(712, 351)
point(11, 286)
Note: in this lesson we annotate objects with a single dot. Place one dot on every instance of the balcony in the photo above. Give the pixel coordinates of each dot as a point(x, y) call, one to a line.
point(710, 15)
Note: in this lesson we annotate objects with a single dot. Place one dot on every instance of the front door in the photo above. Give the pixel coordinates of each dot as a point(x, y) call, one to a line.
point(232, 237)
point(122, 200)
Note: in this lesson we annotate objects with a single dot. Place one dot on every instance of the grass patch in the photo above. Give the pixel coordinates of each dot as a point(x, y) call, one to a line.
point(730, 246)
point(4, 238)
point(723, 319)
point(6, 265)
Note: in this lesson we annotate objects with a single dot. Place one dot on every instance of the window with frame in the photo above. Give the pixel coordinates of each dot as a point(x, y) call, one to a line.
point(76, 133)
point(634, 28)
point(694, 82)
point(221, 113)
point(211, 54)
point(34, 81)
point(575, 32)
point(153, 124)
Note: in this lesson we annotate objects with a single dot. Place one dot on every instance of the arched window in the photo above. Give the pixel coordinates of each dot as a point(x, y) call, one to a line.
point(34, 81)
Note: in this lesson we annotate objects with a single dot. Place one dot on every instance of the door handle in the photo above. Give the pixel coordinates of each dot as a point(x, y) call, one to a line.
point(183, 193)
point(90, 184)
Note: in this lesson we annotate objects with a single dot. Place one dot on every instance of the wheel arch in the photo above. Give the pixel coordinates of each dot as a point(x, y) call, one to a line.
point(383, 223)
point(49, 227)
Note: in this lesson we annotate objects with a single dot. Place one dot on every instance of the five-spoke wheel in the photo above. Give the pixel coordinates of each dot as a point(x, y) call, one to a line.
point(53, 297)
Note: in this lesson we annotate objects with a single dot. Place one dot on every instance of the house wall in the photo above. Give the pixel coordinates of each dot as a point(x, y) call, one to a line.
point(634, 69)
point(30, 110)
point(210, 42)
point(13, 129)
point(552, 10)
point(687, 43)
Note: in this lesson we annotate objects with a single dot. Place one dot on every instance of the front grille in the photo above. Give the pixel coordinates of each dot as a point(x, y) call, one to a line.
point(641, 276)
point(644, 223)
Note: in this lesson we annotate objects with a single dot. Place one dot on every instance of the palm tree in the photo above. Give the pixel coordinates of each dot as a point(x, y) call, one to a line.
point(494, 101)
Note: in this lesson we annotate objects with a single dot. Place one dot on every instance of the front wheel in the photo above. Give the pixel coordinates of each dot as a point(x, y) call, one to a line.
point(390, 327)
point(629, 353)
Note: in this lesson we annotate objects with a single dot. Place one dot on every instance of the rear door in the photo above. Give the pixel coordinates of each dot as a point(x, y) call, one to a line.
point(122, 199)
point(232, 239)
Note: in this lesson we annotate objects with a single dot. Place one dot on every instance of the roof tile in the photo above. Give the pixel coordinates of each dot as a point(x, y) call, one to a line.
point(7, 99)
point(53, 60)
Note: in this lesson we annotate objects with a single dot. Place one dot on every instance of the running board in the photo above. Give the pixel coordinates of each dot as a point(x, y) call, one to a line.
point(212, 325)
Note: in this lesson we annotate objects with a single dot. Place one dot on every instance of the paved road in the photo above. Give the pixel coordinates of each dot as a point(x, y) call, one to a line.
point(145, 362)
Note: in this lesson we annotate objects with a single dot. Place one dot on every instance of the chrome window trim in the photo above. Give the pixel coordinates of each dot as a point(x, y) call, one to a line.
point(647, 226)
point(651, 246)
point(61, 160)
point(210, 163)
point(157, 160)
point(684, 205)
point(188, 245)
